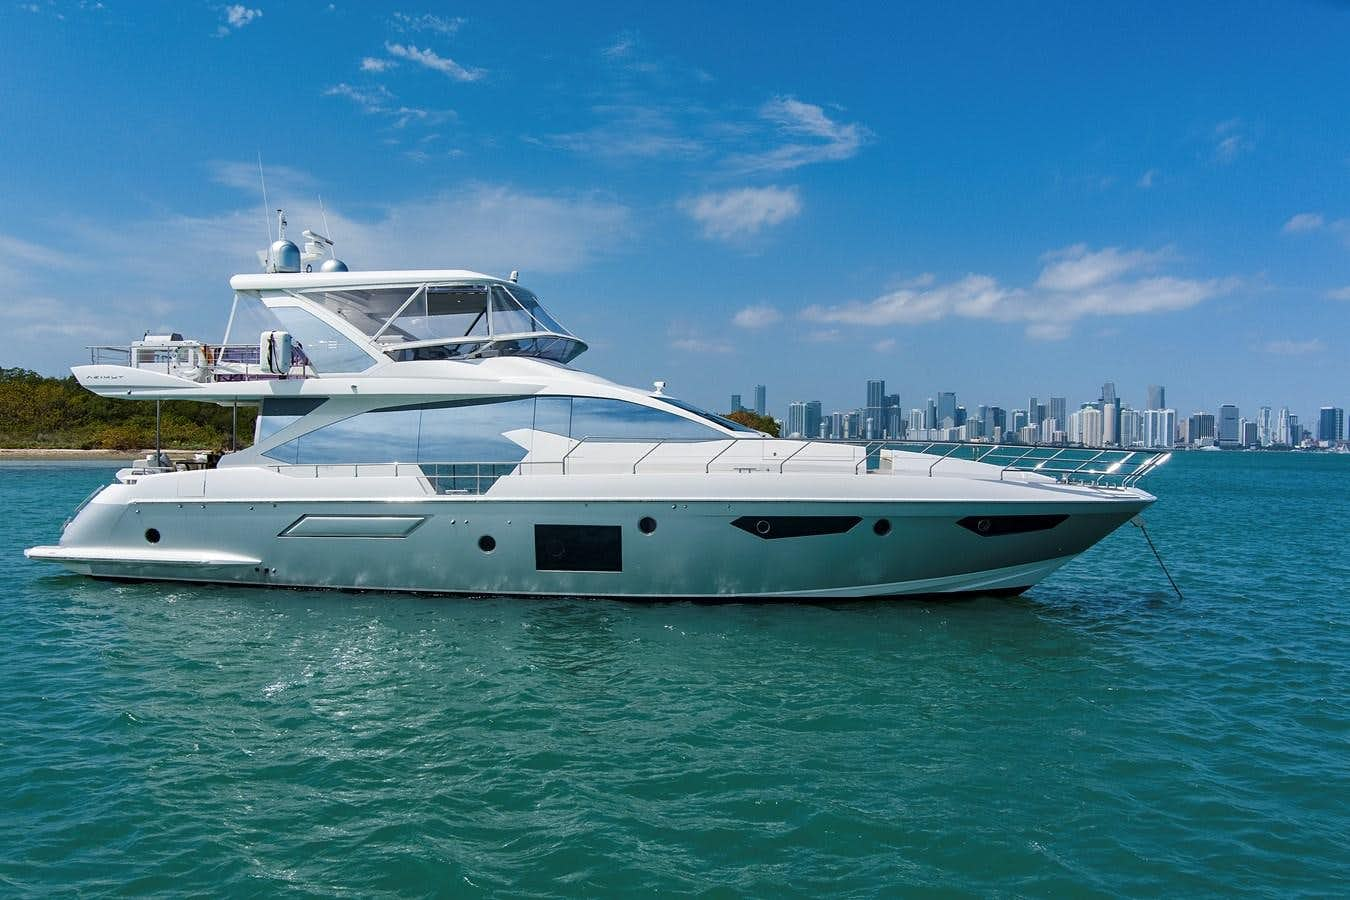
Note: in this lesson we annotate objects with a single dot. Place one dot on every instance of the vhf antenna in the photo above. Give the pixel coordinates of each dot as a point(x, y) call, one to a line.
point(267, 207)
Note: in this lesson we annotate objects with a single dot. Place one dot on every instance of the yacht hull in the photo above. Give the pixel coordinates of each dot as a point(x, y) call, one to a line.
point(628, 548)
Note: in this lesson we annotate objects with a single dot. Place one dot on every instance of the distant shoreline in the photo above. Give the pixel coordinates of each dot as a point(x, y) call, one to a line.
point(41, 453)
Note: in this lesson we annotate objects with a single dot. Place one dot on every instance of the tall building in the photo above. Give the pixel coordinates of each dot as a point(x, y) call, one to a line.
point(1033, 412)
point(1330, 424)
point(1110, 424)
point(1265, 435)
point(1295, 431)
point(946, 410)
point(1058, 410)
point(1109, 394)
point(1249, 434)
point(1282, 428)
point(1085, 427)
point(1131, 427)
point(760, 404)
point(1159, 428)
point(1200, 427)
point(917, 422)
point(1229, 435)
point(997, 417)
point(736, 404)
point(1157, 396)
point(930, 418)
point(813, 419)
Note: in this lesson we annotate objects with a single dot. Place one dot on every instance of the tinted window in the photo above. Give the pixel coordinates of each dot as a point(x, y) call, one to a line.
point(595, 418)
point(474, 432)
point(328, 351)
point(279, 413)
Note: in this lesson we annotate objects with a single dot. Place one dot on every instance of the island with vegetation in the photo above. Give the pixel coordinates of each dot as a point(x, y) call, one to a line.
point(39, 412)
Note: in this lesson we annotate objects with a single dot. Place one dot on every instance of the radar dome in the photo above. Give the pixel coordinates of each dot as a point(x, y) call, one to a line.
point(333, 265)
point(285, 257)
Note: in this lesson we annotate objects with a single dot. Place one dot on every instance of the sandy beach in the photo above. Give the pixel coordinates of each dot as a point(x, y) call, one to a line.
point(50, 453)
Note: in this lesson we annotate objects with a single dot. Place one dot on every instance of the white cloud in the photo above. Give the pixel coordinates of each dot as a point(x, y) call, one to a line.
point(700, 345)
point(237, 16)
point(1339, 294)
point(885, 345)
point(1076, 268)
point(760, 316)
point(812, 137)
point(434, 61)
point(1074, 283)
point(1303, 222)
point(1231, 139)
point(243, 176)
point(379, 100)
point(1148, 179)
point(445, 25)
point(630, 130)
point(375, 64)
point(742, 211)
point(1289, 347)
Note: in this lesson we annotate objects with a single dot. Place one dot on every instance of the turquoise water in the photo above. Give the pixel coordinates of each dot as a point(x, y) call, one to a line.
point(1095, 736)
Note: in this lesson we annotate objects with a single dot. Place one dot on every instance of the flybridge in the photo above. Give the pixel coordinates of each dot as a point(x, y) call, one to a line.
point(291, 324)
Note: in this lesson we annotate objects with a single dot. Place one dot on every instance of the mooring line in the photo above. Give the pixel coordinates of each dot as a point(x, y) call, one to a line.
point(1138, 522)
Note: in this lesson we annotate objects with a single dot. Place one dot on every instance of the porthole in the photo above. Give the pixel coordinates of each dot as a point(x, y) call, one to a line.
point(152, 535)
point(983, 526)
point(762, 527)
point(882, 527)
point(487, 543)
point(646, 524)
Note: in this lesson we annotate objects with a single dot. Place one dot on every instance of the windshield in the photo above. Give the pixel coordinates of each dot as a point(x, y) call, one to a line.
point(711, 417)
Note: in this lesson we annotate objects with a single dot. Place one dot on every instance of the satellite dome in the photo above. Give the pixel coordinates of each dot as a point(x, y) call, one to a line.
point(333, 265)
point(285, 257)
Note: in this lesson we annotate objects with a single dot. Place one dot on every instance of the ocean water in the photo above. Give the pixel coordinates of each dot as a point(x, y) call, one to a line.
point(1097, 736)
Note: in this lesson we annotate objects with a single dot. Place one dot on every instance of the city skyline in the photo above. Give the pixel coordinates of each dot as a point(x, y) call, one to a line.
point(1310, 421)
point(1110, 420)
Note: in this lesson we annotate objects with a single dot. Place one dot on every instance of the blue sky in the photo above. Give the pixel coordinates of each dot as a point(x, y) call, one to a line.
point(1001, 199)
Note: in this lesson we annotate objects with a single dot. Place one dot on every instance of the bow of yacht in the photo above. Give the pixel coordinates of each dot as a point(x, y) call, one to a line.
point(423, 431)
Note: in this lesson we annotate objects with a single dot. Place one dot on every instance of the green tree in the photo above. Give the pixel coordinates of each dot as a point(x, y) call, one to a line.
point(754, 420)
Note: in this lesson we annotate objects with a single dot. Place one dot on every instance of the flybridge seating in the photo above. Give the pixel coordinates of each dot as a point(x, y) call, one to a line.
point(200, 362)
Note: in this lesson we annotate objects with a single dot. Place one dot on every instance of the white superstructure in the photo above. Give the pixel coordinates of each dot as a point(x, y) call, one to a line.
point(423, 431)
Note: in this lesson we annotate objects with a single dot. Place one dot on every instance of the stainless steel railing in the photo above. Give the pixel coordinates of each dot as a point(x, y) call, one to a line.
point(1098, 467)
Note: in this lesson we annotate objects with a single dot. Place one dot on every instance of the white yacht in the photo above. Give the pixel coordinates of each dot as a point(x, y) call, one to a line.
point(424, 431)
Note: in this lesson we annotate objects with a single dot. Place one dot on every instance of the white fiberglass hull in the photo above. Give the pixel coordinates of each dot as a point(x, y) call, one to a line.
point(621, 536)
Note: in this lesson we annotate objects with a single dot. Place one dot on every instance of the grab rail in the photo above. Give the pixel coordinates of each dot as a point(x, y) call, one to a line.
point(1098, 467)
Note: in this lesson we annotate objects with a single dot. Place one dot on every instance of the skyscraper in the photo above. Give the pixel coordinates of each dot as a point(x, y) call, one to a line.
point(813, 419)
point(1330, 424)
point(1157, 396)
point(1200, 427)
point(1033, 416)
point(795, 426)
point(1160, 428)
point(760, 404)
point(946, 410)
point(1109, 394)
point(736, 404)
point(1229, 434)
point(875, 411)
point(1265, 434)
point(1059, 411)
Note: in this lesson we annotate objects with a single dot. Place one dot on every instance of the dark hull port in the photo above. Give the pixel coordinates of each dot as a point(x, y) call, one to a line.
point(773, 527)
point(578, 548)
